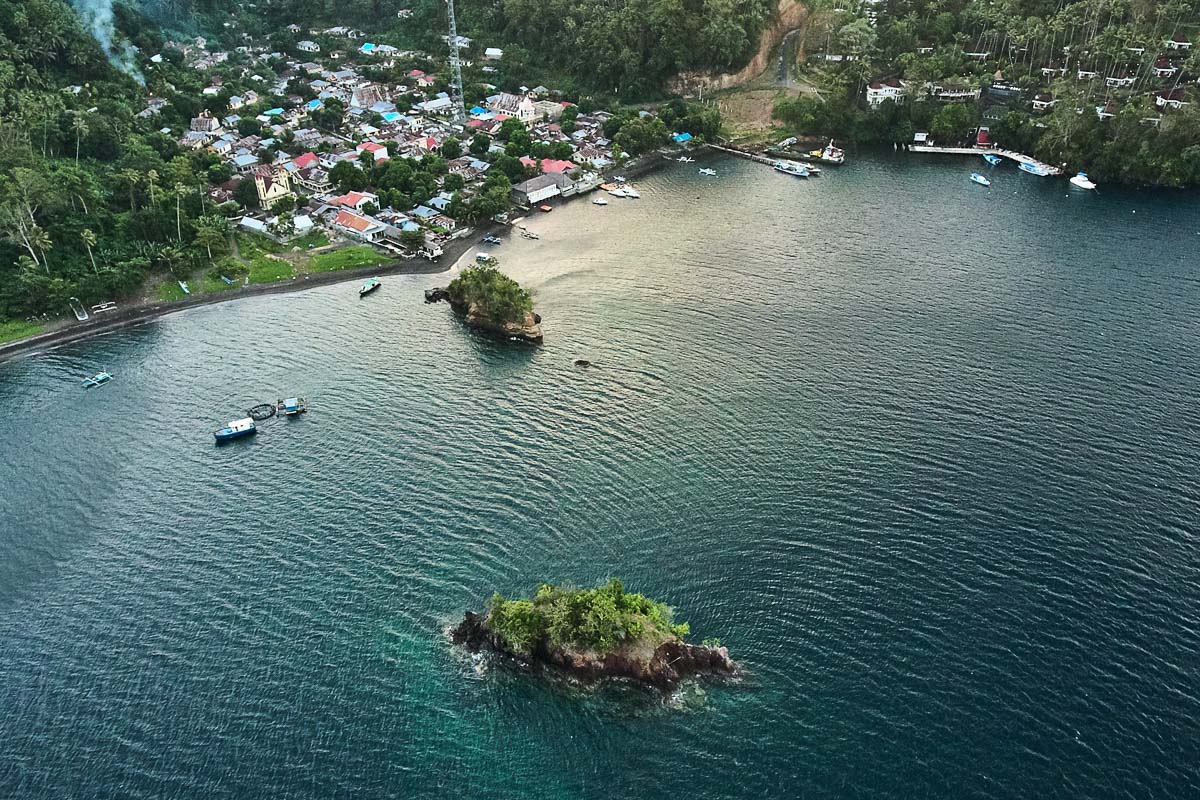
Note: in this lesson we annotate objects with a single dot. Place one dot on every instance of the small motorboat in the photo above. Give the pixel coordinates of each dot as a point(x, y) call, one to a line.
point(292, 406)
point(78, 309)
point(789, 168)
point(707, 171)
point(99, 379)
point(491, 239)
point(632, 193)
point(529, 235)
point(236, 430)
point(1083, 181)
point(992, 159)
point(685, 160)
point(545, 209)
point(982, 181)
point(829, 155)
point(1033, 169)
point(619, 191)
point(183, 287)
point(599, 201)
point(369, 286)
point(619, 178)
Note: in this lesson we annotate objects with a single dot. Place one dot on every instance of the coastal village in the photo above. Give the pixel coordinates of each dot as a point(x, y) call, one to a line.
point(315, 137)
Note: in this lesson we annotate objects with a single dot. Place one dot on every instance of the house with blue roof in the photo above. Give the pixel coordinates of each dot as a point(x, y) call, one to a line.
point(441, 202)
point(681, 138)
point(313, 105)
point(478, 110)
point(424, 213)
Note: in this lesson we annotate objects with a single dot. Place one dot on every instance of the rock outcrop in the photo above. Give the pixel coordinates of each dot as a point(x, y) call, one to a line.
point(529, 329)
point(662, 667)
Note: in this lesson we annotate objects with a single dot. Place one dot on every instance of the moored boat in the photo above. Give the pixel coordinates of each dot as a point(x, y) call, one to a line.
point(789, 168)
point(236, 429)
point(599, 201)
point(545, 208)
point(992, 158)
point(1083, 181)
point(99, 379)
point(982, 181)
point(291, 406)
point(370, 285)
point(685, 160)
point(707, 171)
point(491, 239)
point(1033, 169)
point(827, 155)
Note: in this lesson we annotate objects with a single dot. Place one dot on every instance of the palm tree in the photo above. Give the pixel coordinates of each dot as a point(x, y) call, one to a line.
point(180, 191)
point(131, 177)
point(89, 241)
point(79, 125)
point(41, 240)
point(152, 182)
point(211, 232)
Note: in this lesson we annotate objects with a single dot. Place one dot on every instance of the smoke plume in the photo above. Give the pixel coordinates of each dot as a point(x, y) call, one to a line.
point(97, 17)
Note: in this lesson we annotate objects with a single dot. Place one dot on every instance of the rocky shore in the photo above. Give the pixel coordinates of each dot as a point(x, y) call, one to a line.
point(662, 667)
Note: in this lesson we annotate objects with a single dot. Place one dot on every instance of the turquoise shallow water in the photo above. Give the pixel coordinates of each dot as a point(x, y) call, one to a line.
point(924, 455)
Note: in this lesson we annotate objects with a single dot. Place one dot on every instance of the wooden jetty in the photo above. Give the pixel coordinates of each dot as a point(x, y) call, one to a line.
point(733, 151)
point(1013, 155)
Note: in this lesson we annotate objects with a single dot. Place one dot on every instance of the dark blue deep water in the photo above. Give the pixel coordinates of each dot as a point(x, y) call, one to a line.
point(924, 455)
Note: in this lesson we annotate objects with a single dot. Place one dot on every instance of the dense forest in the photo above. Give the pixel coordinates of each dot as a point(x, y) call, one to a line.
point(1110, 124)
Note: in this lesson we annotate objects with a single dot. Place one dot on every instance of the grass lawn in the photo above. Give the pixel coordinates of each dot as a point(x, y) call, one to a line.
point(347, 258)
point(213, 283)
point(312, 239)
point(255, 249)
point(169, 291)
point(11, 329)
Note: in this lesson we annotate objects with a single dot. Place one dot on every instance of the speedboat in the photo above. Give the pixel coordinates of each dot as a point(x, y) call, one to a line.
point(1083, 181)
point(619, 178)
point(992, 158)
point(632, 193)
point(1033, 169)
point(491, 239)
point(599, 201)
point(707, 171)
point(369, 286)
point(236, 430)
point(619, 191)
point(982, 181)
point(99, 379)
point(790, 169)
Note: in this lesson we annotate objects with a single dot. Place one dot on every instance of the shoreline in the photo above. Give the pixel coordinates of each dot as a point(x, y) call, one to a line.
point(452, 254)
point(453, 251)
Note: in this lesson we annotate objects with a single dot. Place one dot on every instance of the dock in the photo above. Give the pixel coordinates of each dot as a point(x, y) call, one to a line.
point(733, 151)
point(1012, 155)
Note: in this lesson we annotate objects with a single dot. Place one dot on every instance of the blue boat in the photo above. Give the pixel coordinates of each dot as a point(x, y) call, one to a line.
point(369, 286)
point(236, 430)
point(493, 240)
point(789, 168)
point(99, 379)
point(982, 181)
point(991, 159)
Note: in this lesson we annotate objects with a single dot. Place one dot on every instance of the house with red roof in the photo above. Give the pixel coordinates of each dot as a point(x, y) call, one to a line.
point(306, 160)
point(356, 200)
point(359, 227)
point(550, 165)
point(377, 151)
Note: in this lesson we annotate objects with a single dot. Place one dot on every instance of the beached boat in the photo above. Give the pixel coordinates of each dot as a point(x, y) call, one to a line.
point(1033, 169)
point(789, 168)
point(992, 159)
point(492, 239)
point(707, 171)
point(236, 430)
point(369, 286)
point(78, 309)
point(99, 379)
point(292, 406)
point(1083, 181)
point(599, 201)
point(982, 181)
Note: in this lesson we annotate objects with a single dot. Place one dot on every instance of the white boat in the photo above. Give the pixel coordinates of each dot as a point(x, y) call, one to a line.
point(599, 201)
point(632, 193)
point(707, 171)
point(1033, 169)
point(982, 181)
point(619, 178)
point(790, 168)
point(620, 191)
point(1083, 181)
point(685, 160)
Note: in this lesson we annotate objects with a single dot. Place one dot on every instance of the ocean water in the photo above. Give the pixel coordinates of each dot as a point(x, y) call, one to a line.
point(924, 455)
